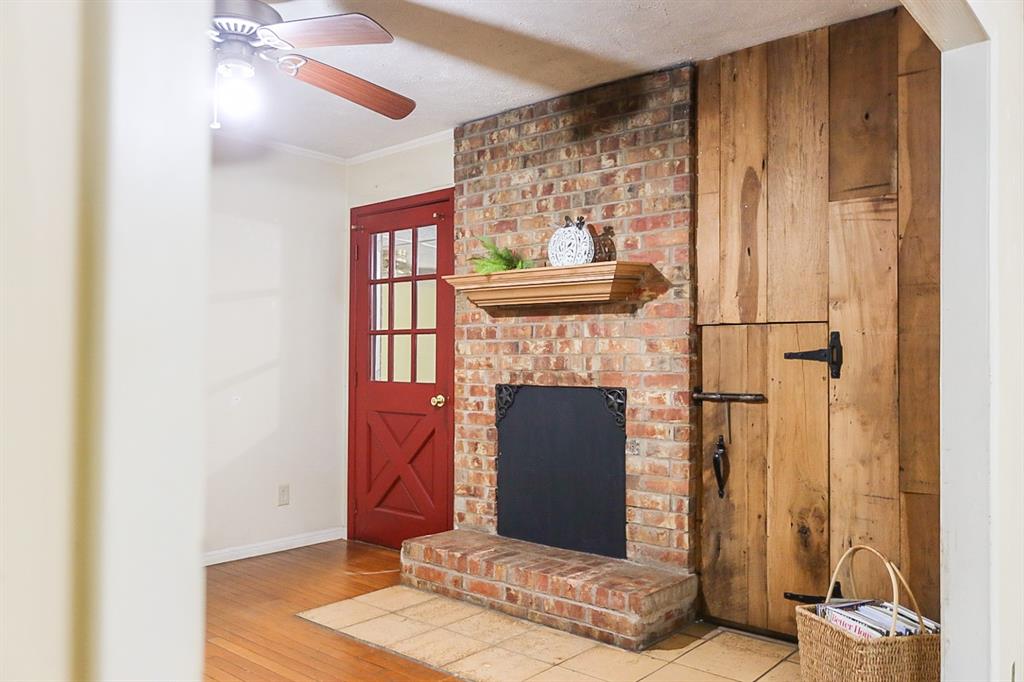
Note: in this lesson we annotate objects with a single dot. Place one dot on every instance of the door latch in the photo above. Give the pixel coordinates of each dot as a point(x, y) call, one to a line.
point(832, 355)
point(700, 396)
point(718, 462)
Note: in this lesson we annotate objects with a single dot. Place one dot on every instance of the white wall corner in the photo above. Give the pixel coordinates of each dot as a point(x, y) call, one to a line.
point(949, 23)
point(965, 365)
point(221, 556)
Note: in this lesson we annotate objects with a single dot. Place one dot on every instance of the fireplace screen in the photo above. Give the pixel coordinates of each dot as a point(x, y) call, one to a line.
point(562, 466)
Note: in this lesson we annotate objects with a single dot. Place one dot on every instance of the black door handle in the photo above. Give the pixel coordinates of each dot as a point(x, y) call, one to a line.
point(718, 462)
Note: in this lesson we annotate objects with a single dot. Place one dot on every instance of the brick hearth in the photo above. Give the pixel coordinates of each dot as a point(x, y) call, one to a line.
point(611, 600)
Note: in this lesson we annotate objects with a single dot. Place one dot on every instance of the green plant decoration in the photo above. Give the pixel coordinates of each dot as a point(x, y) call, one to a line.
point(498, 259)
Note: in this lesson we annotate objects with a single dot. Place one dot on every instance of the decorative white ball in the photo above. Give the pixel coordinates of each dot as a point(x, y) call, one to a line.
point(571, 245)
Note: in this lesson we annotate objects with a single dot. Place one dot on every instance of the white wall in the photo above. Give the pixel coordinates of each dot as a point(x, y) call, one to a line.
point(144, 208)
point(965, 365)
point(982, 420)
point(277, 359)
point(39, 239)
point(412, 168)
point(104, 254)
point(276, 378)
point(1004, 22)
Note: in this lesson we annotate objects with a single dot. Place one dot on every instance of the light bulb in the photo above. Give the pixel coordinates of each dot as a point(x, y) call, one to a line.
point(238, 98)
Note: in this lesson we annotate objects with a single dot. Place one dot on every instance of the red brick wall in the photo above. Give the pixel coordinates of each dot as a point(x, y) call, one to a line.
point(622, 155)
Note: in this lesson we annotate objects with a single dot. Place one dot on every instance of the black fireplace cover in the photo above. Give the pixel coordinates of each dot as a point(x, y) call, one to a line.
point(562, 466)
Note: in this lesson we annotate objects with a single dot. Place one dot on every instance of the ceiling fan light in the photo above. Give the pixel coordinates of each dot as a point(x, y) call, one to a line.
point(235, 59)
point(238, 98)
point(235, 68)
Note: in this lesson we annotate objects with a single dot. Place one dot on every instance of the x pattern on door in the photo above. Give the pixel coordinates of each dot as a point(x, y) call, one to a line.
point(395, 484)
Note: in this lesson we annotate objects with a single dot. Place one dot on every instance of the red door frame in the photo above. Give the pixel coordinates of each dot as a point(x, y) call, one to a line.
point(356, 215)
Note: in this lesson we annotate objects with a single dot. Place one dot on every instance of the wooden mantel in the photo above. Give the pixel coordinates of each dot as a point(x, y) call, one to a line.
point(611, 281)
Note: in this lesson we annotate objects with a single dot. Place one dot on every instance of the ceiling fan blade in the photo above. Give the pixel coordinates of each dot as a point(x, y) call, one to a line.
point(342, 84)
point(337, 29)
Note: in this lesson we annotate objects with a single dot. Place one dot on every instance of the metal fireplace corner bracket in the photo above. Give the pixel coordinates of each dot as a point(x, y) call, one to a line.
point(615, 401)
point(504, 396)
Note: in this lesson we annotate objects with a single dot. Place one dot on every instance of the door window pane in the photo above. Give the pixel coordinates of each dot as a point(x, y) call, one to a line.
point(403, 253)
point(426, 304)
point(403, 305)
point(379, 358)
point(403, 358)
point(379, 255)
point(426, 358)
point(378, 306)
point(426, 250)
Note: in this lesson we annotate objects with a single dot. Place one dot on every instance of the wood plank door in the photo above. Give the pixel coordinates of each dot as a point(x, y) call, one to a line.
point(402, 370)
point(765, 531)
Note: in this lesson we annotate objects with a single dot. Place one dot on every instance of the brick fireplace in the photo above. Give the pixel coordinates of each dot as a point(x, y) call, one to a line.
point(620, 154)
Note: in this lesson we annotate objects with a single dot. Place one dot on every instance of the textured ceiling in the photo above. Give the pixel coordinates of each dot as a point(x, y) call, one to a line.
point(465, 59)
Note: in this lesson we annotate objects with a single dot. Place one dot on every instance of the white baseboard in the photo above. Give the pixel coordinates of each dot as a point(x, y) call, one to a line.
point(219, 556)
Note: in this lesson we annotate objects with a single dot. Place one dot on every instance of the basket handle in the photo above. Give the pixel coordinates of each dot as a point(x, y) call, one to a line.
point(913, 599)
point(894, 576)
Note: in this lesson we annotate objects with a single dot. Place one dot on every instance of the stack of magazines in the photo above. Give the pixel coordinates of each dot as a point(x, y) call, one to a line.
point(872, 618)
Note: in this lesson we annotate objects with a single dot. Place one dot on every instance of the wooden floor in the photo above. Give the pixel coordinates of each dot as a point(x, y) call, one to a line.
point(252, 632)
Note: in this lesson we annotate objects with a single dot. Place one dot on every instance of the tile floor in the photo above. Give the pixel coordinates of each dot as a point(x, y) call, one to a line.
point(475, 644)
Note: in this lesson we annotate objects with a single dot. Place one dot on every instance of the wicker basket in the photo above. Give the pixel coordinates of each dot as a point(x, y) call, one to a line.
point(830, 654)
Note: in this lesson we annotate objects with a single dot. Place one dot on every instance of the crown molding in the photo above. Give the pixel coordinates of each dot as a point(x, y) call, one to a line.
point(442, 135)
point(285, 148)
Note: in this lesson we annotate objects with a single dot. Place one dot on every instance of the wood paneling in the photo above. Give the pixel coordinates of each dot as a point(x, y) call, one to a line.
point(744, 144)
point(733, 532)
point(919, 549)
point(798, 499)
point(919, 149)
point(848, 128)
point(863, 410)
point(797, 188)
point(709, 168)
point(919, 186)
point(252, 632)
point(862, 107)
point(916, 51)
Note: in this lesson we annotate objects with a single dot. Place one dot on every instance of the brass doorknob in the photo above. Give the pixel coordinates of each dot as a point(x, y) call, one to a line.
point(438, 400)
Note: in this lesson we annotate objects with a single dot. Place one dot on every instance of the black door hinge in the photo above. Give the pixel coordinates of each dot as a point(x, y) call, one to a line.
point(837, 593)
point(833, 355)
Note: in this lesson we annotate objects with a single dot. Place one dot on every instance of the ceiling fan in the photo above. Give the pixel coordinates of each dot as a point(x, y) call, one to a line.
point(244, 30)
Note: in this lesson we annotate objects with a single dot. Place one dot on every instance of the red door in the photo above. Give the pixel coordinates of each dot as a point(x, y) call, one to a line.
point(401, 373)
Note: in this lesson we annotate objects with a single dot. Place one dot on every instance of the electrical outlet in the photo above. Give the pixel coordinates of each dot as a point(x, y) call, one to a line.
point(284, 495)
